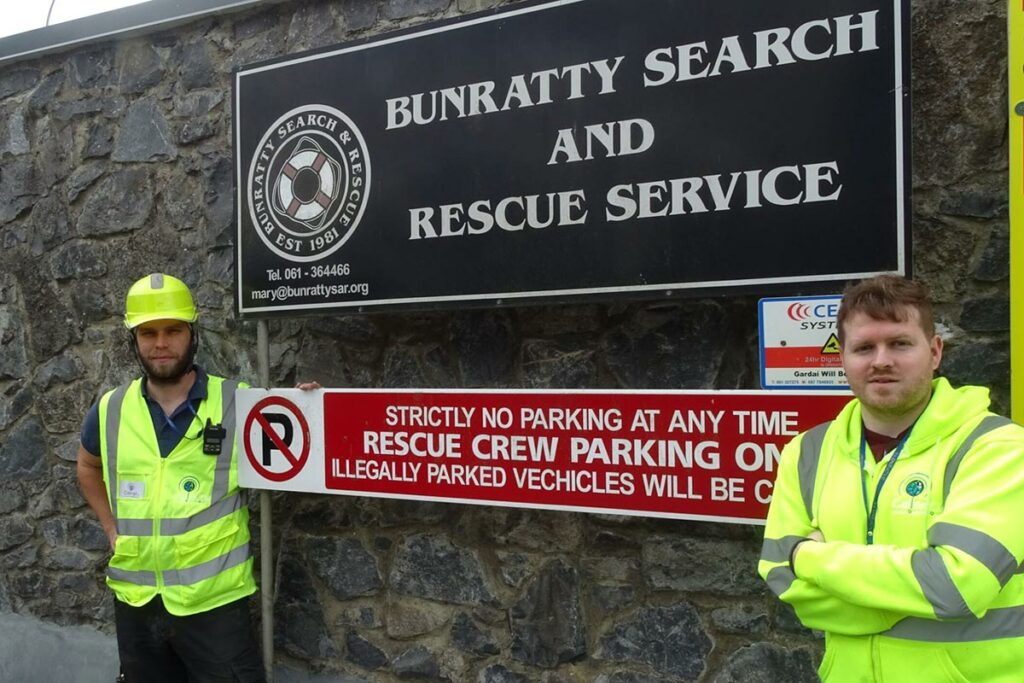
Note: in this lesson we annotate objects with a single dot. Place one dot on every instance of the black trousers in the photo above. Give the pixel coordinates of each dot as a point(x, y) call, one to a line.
point(210, 647)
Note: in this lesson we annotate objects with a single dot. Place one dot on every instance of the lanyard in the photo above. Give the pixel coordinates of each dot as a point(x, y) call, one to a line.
point(174, 427)
point(872, 511)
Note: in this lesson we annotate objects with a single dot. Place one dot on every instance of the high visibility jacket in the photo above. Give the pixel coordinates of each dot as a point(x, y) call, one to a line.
point(183, 530)
point(939, 594)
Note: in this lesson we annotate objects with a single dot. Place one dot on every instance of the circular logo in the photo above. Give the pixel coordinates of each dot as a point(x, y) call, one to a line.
point(189, 485)
point(308, 183)
point(915, 487)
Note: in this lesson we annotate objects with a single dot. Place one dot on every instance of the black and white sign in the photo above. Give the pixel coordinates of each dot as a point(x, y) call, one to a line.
point(577, 148)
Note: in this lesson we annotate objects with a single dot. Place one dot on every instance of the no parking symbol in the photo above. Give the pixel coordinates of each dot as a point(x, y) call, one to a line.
point(276, 438)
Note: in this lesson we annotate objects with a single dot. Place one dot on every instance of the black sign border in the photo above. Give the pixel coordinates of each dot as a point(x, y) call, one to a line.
point(789, 285)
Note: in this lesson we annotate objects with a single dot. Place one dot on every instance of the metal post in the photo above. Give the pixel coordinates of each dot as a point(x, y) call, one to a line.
point(266, 523)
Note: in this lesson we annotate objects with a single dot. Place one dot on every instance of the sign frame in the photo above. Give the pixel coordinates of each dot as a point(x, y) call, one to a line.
point(794, 283)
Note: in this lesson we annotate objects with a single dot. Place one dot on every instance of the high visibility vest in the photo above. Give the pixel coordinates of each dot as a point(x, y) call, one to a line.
point(938, 595)
point(183, 530)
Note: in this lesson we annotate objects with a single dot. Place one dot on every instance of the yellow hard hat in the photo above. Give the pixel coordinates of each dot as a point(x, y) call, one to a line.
point(158, 297)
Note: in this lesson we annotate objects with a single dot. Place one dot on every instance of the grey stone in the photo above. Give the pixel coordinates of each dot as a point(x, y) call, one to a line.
point(11, 499)
point(55, 530)
point(403, 9)
point(358, 14)
point(468, 637)
point(513, 568)
point(701, 565)
point(219, 201)
point(629, 677)
point(110, 107)
point(984, 363)
point(551, 364)
point(496, 673)
point(301, 632)
point(91, 68)
point(194, 131)
point(81, 179)
point(296, 583)
point(23, 453)
point(994, 264)
point(19, 188)
point(483, 344)
point(476, 5)
point(62, 369)
point(140, 67)
point(986, 315)
point(362, 652)
point(121, 202)
point(344, 565)
point(252, 24)
point(100, 141)
point(14, 530)
point(14, 138)
point(670, 639)
point(67, 558)
point(417, 662)
point(741, 619)
point(79, 259)
point(612, 598)
point(144, 134)
point(431, 567)
point(312, 26)
point(20, 558)
point(15, 404)
point(547, 625)
point(49, 224)
point(77, 582)
point(13, 357)
point(198, 103)
point(13, 81)
point(197, 70)
point(46, 91)
point(674, 348)
point(767, 663)
point(87, 533)
point(406, 620)
point(975, 204)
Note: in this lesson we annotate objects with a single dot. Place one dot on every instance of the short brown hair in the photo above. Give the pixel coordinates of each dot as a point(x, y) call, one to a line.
point(887, 297)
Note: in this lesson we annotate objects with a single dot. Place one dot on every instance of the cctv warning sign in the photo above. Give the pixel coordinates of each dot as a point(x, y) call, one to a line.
point(686, 455)
point(800, 343)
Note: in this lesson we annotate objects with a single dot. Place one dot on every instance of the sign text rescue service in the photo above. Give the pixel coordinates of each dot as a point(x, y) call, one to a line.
point(691, 455)
point(577, 148)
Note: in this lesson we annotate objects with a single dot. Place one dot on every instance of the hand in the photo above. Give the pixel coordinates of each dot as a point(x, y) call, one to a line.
point(816, 535)
point(308, 386)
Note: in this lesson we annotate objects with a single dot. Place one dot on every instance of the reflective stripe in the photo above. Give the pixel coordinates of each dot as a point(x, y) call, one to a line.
point(1007, 622)
point(978, 545)
point(204, 570)
point(937, 585)
point(112, 427)
point(807, 467)
point(222, 471)
point(139, 578)
point(780, 579)
point(220, 509)
point(984, 427)
point(134, 527)
point(778, 549)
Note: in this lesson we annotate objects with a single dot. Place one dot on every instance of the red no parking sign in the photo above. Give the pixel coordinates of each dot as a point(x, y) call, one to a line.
point(276, 438)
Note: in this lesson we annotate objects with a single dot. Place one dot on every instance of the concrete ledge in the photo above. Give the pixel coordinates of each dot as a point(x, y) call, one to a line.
point(34, 650)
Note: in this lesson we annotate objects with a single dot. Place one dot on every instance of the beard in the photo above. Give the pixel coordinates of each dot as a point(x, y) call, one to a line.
point(167, 374)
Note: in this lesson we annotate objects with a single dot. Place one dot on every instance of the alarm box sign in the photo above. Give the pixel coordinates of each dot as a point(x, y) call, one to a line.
point(579, 148)
point(688, 455)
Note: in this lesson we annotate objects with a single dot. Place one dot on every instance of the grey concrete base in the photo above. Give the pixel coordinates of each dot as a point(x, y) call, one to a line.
point(33, 650)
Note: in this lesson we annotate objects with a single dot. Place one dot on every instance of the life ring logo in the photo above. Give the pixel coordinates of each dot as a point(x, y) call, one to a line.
point(308, 183)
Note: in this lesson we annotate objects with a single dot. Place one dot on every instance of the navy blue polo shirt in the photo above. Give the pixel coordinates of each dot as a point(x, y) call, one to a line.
point(169, 428)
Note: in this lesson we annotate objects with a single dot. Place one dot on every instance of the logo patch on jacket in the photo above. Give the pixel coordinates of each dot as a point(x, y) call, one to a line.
point(913, 495)
point(188, 485)
point(133, 489)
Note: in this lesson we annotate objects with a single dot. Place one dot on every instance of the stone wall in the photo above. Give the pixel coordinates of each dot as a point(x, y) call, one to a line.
point(115, 161)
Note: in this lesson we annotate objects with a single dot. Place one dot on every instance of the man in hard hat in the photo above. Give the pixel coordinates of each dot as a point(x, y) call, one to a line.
point(157, 466)
point(896, 528)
